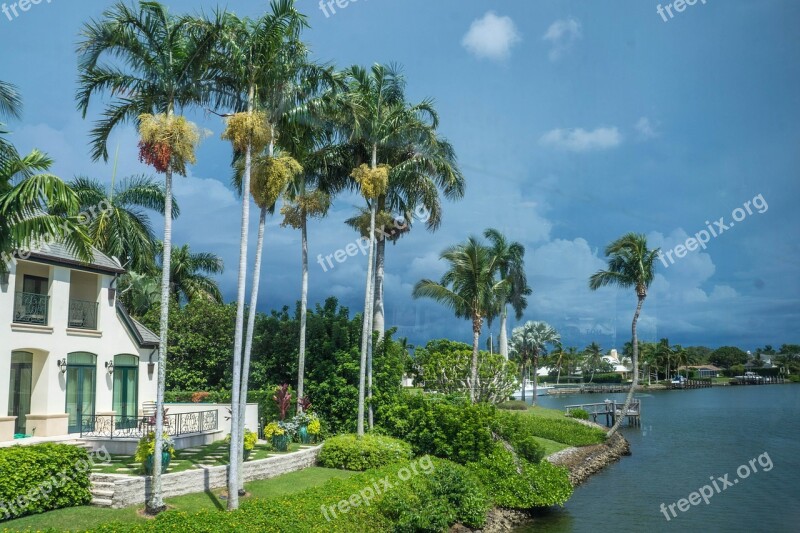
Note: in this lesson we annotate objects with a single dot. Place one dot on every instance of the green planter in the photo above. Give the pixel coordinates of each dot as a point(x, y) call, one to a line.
point(246, 454)
point(305, 438)
point(280, 442)
point(148, 464)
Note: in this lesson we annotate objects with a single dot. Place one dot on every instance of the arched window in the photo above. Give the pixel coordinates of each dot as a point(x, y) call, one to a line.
point(81, 359)
point(126, 360)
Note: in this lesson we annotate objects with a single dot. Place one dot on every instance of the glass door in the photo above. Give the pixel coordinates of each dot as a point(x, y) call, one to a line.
point(19, 392)
point(126, 385)
point(81, 378)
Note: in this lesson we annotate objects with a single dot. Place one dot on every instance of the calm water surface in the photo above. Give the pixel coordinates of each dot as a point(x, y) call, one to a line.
point(686, 437)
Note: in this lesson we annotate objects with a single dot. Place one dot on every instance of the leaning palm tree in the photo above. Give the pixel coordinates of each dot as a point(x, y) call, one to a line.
point(530, 341)
point(630, 264)
point(122, 228)
point(151, 63)
point(190, 274)
point(511, 266)
point(468, 288)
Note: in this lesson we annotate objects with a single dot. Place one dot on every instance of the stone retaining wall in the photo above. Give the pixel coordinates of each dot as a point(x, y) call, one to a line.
point(117, 491)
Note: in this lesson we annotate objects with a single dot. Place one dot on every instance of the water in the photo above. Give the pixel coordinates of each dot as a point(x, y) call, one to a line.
point(685, 438)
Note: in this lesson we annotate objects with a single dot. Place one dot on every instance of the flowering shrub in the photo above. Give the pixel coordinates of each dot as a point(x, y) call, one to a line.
point(147, 446)
point(273, 429)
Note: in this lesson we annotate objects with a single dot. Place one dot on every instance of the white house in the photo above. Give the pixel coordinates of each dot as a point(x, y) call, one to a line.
point(68, 350)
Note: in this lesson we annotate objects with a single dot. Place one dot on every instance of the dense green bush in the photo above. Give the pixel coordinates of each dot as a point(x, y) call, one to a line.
point(522, 485)
point(450, 428)
point(580, 414)
point(348, 452)
point(35, 479)
point(513, 405)
point(559, 430)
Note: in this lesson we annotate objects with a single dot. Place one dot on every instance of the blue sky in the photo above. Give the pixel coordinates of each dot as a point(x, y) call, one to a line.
point(575, 122)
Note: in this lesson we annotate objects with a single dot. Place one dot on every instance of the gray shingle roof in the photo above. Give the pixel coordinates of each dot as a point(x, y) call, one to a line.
point(59, 253)
point(144, 337)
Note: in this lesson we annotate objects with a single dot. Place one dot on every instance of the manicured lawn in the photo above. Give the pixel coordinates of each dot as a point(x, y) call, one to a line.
point(83, 518)
point(557, 432)
point(212, 455)
point(551, 446)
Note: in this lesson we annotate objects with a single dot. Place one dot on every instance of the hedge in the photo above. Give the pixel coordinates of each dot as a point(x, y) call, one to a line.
point(607, 378)
point(35, 479)
point(427, 494)
point(348, 452)
point(560, 430)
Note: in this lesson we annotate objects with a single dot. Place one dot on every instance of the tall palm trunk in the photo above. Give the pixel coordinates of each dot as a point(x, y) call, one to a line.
point(503, 336)
point(235, 449)
point(535, 377)
point(301, 362)
point(156, 504)
point(366, 326)
point(378, 316)
point(635, 358)
point(477, 323)
point(523, 379)
point(248, 345)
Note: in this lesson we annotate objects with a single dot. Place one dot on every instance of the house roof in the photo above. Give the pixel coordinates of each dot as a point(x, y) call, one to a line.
point(144, 337)
point(59, 253)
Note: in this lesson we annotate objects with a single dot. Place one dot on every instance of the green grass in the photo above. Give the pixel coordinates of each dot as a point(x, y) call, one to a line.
point(83, 518)
point(557, 432)
point(215, 454)
point(551, 446)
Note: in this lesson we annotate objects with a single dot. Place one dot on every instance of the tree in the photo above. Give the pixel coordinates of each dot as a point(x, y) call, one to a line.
point(530, 342)
point(510, 266)
point(468, 288)
point(372, 112)
point(630, 264)
point(121, 229)
point(593, 359)
point(190, 275)
point(158, 63)
point(727, 356)
point(445, 367)
point(10, 107)
point(37, 207)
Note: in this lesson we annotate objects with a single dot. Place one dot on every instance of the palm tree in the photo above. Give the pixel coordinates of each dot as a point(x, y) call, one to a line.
point(37, 207)
point(630, 264)
point(373, 113)
point(530, 341)
point(256, 73)
point(10, 107)
point(189, 276)
point(139, 293)
point(510, 266)
point(122, 229)
point(306, 198)
point(468, 289)
point(158, 63)
point(593, 359)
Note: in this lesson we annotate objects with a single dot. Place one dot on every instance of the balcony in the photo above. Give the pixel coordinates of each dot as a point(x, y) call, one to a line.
point(31, 308)
point(82, 314)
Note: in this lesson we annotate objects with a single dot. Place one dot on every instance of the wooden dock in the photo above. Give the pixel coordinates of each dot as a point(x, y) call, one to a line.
point(591, 388)
point(764, 380)
point(691, 384)
point(611, 410)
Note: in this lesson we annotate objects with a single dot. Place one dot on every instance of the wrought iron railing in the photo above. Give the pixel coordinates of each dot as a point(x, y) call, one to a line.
point(30, 308)
point(82, 314)
point(121, 427)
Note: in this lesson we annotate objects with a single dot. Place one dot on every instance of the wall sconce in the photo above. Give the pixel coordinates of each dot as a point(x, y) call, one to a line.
point(110, 367)
point(62, 365)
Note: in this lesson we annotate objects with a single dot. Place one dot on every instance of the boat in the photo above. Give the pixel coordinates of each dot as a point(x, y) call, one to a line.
point(541, 390)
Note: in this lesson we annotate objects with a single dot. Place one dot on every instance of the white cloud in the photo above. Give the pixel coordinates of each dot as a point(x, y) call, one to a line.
point(561, 35)
point(646, 129)
point(491, 37)
point(581, 140)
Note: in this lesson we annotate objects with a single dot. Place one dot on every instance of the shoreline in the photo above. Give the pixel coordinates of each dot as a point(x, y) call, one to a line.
point(581, 462)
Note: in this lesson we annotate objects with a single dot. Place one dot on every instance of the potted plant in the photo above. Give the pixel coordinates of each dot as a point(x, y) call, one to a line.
point(250, 439)
point(314, 428)
point(277, 434)
point(146, 450)
point(302, 420)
